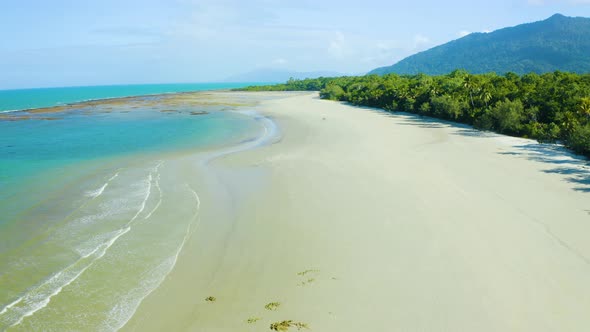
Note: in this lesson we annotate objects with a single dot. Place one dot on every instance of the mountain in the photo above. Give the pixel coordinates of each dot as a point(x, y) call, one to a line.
point(276, 75)
point(557, 43)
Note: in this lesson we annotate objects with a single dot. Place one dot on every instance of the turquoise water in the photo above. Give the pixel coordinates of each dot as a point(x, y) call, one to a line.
point(27, 145)
point(32, 148)
point(46, 97)
point(94, 210)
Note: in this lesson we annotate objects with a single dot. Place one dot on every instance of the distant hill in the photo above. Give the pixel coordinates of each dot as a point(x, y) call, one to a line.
point(275, 75)
point(557, 43)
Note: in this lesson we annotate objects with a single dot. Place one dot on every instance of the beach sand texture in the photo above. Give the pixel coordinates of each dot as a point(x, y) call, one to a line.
point(358, 220)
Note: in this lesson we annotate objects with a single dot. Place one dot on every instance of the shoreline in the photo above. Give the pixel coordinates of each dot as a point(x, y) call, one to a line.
point(343, 218)
point(50, 109)
point(148, 207)
point(358, 220)
point(203, 158)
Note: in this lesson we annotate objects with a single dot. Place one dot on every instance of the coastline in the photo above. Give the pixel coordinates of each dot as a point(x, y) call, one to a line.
point(91, 102)
point(181, 89)
point(200, 161)
point(359, 220)
point(154, 174)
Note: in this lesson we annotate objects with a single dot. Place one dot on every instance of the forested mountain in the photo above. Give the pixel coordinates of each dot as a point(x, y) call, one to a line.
point(557, 43)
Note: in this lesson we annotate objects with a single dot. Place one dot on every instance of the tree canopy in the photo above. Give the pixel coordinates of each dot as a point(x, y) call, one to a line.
point(552, 107)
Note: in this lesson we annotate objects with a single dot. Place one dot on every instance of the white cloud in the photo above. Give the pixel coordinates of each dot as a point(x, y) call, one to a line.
point(279, 62)
point(463, 33)
point(336, 47)
point(382, 52)
point(421, 42)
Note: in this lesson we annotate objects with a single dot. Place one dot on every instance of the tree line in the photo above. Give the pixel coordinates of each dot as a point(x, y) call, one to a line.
point(552, 107)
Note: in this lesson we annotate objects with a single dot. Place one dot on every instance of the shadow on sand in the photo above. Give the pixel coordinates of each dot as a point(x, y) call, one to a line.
point(575, 169)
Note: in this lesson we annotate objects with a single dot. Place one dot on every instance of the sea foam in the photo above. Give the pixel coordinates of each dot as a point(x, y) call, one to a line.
point(123, 311)
point(39, 297)
point(96, 193)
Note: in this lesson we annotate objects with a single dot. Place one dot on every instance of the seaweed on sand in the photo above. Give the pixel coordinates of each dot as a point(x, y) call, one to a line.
point(253, 320)
point(272, 306)
point(287, 324)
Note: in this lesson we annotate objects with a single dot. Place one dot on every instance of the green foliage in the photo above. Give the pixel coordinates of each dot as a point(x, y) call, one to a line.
point(558, 43)
point(332, 92)
point(507, 116)
point(446, 107)
point(549, 107)
point(584, 108)
point(579, 139)
point(307, 84)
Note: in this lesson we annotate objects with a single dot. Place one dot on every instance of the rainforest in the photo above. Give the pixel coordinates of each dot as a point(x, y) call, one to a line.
point(551, 107)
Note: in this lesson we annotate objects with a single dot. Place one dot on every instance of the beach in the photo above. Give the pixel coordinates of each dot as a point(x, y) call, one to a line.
point(94, 212)
point(353, 219)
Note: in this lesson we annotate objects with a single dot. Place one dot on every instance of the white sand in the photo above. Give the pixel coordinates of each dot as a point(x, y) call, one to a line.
point(412, 225)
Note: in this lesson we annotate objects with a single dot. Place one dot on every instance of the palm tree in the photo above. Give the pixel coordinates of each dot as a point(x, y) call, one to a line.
point(470, 85)
point(585, 107)
point(434, 91)
point(486, 96)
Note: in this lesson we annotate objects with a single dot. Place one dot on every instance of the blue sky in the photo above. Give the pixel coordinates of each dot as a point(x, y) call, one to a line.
point(73, 42)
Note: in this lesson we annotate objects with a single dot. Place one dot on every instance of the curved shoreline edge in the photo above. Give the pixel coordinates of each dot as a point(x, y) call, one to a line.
point(368, 220)
point(260, 137)
point(270, 134)
point(405, 223)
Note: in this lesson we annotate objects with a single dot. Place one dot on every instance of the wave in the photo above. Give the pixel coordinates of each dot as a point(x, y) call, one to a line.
point(160, 193)
point(91, 196)
point(96, 193)
point(10, 305)
point(121, 313)
point(40, 296)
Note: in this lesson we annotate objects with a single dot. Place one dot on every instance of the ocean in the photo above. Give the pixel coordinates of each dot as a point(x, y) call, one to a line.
point(20, 99)
point(93, 212)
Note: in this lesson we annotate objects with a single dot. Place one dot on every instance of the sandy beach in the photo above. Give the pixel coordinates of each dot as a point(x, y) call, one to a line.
point(353, 219)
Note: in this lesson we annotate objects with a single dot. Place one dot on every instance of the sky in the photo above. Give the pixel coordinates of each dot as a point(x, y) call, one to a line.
point(75, 43)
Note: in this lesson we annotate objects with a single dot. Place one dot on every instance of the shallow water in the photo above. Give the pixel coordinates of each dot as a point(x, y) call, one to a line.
point(93, 212)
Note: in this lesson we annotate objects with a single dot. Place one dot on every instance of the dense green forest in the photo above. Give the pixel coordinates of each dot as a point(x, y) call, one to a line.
point(558, 43)
point(553, 107)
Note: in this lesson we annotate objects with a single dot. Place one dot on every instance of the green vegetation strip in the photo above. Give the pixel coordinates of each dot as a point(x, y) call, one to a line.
point(552, 107)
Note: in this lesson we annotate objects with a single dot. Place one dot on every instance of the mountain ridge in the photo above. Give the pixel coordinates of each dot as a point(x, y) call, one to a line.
point(557, 43)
